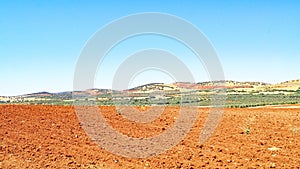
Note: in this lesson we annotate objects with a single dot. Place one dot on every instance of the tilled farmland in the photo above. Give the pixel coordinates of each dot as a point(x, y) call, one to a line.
point(52, 137)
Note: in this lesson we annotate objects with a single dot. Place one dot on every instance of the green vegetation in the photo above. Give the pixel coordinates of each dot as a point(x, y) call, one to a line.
point(247, 130)
point(250, 100)
point(187, 99)
point(160, 94)
point(246, 127)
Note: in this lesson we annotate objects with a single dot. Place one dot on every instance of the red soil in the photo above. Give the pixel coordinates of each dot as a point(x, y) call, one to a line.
point(51, 137)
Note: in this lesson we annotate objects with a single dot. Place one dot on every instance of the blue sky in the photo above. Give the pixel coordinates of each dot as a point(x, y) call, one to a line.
point(40, 41)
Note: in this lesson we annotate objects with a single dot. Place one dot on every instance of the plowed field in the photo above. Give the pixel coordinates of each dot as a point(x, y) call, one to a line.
point(52, 137)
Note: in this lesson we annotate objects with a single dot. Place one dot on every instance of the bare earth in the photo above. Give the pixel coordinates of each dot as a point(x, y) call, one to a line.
point(51, 137)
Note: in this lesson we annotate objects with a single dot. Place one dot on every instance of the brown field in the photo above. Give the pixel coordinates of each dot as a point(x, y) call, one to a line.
point(51, 137)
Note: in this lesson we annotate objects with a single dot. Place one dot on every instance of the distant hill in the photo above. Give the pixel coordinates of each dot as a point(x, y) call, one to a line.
point(197, 86)
point(238, 94)
point(39, 94)
point(287, 85)
point(179, 86)
point(154, 87)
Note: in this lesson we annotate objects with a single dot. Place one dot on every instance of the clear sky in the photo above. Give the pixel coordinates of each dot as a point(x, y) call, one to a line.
point(40, 41)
